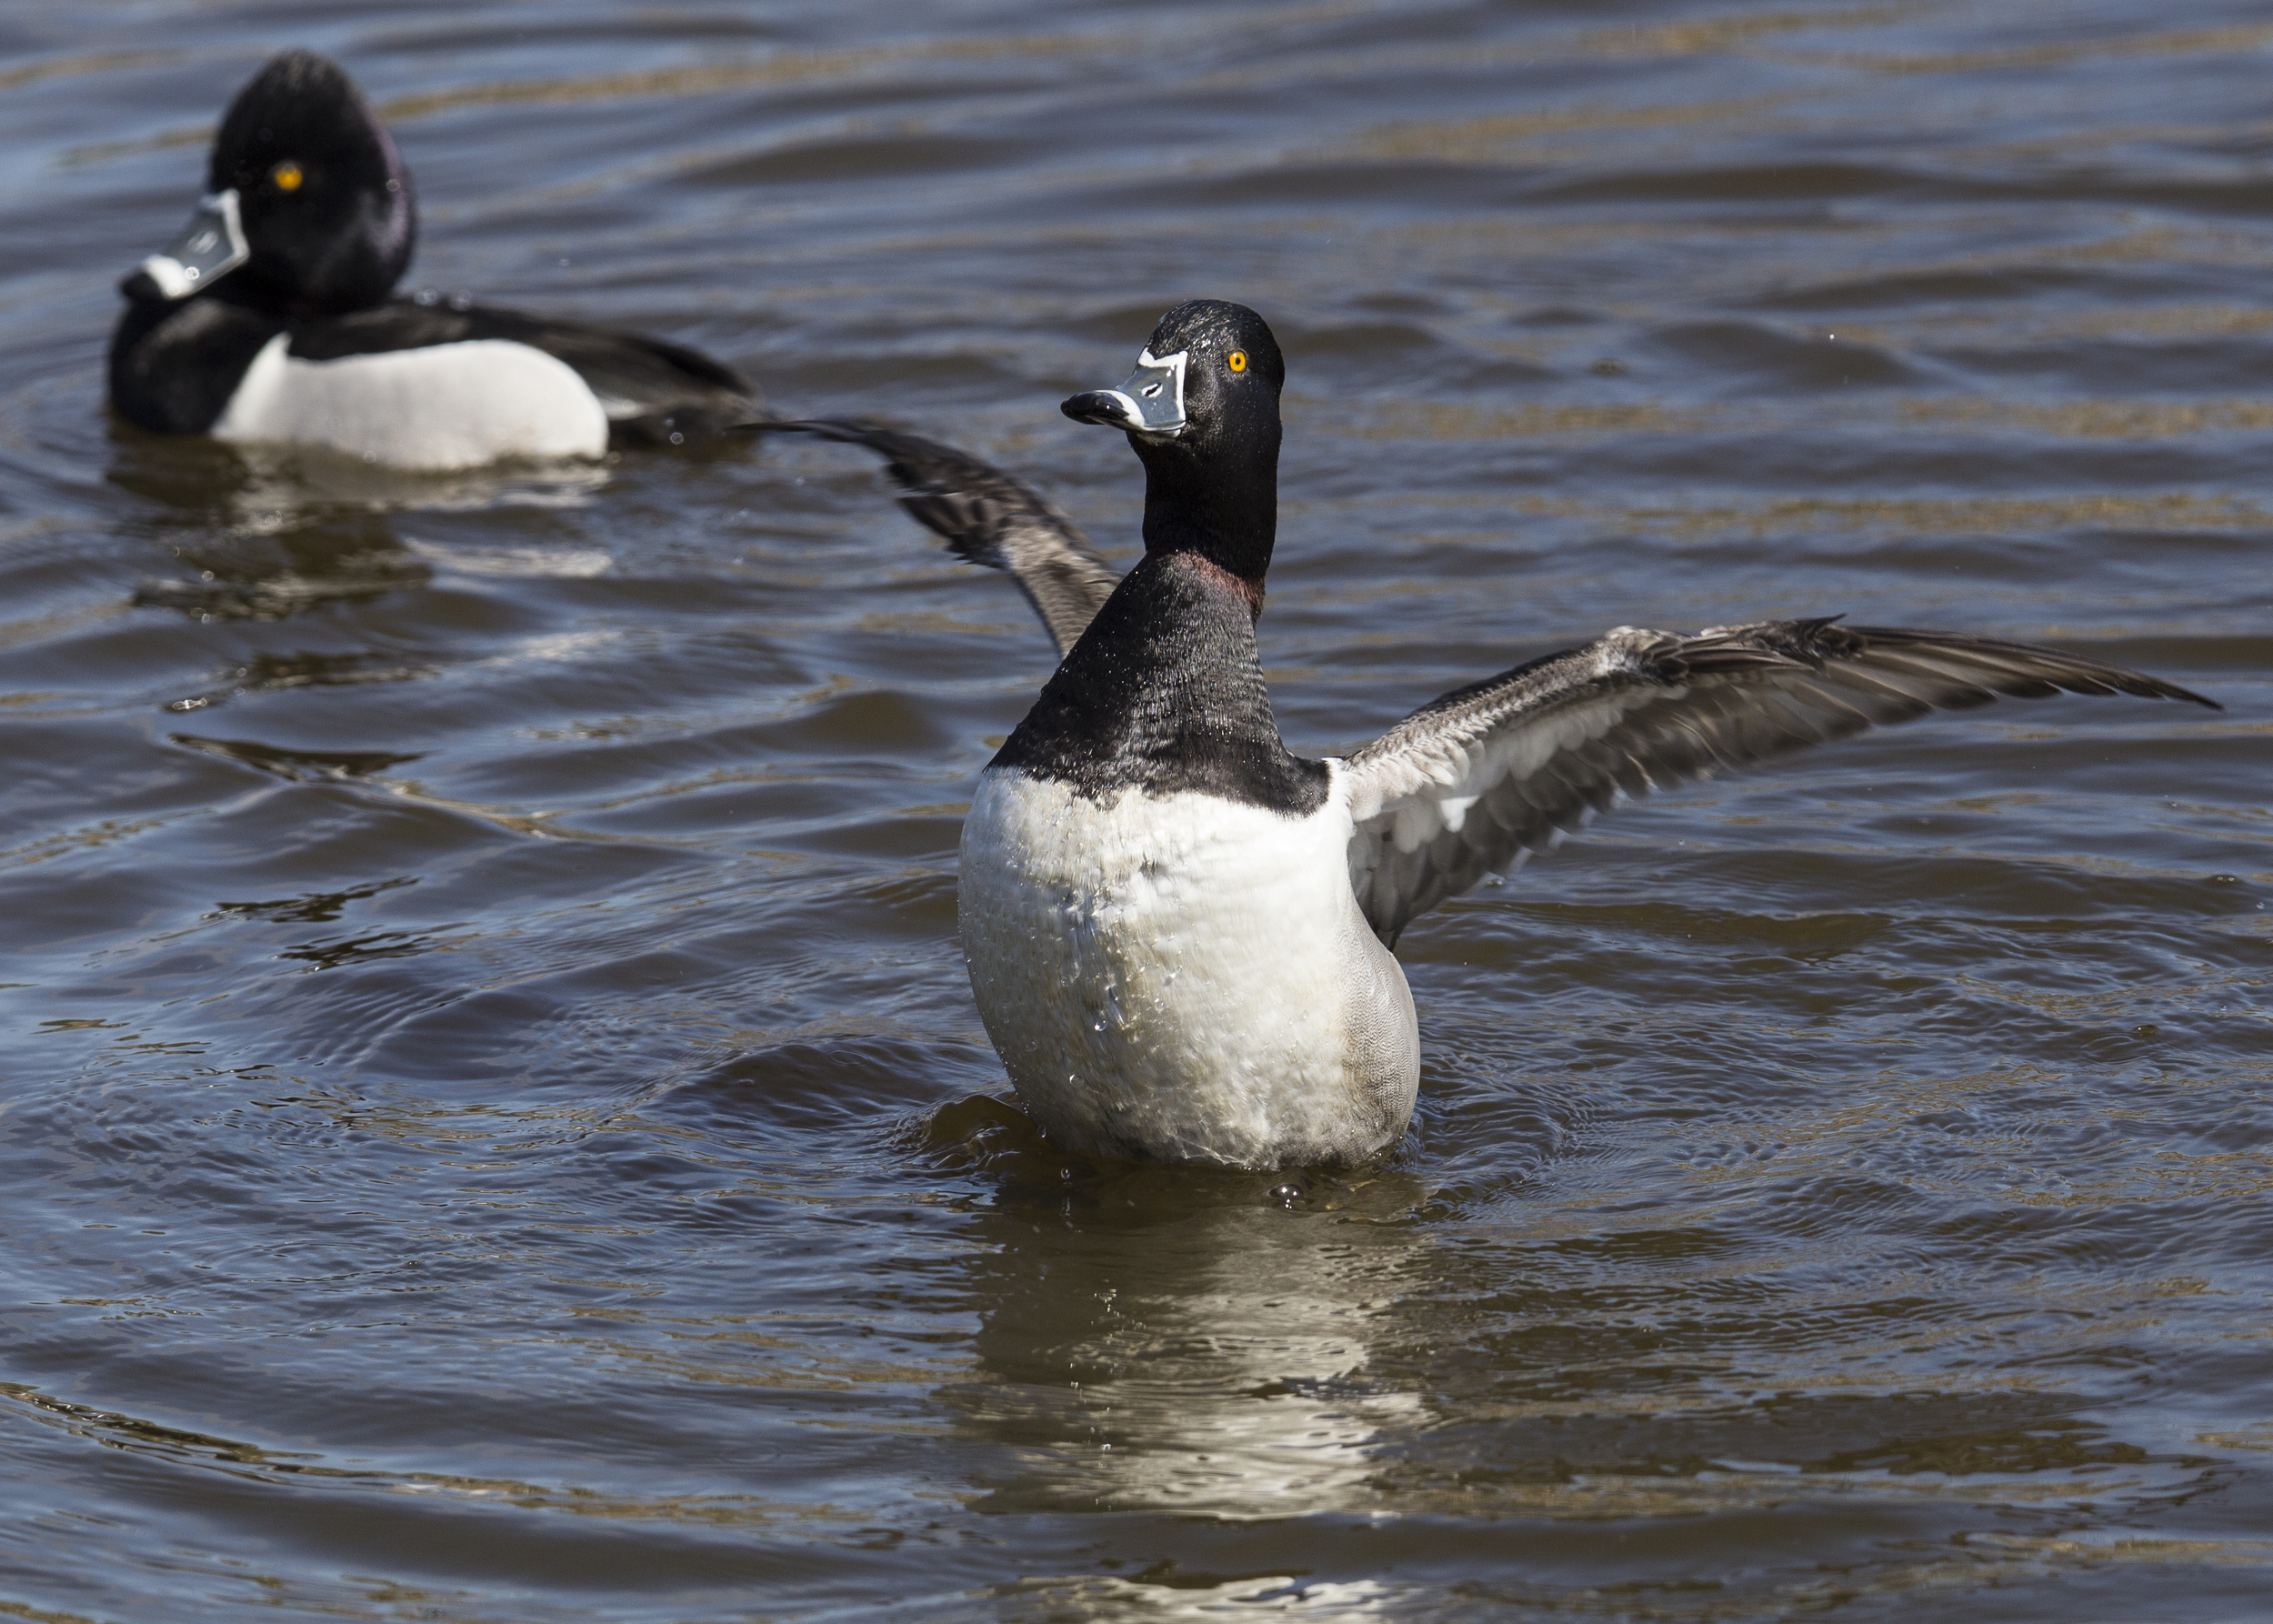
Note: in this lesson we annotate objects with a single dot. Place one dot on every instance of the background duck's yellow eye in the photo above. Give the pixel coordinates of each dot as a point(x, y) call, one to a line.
point(1237, 360)
point(287, 176)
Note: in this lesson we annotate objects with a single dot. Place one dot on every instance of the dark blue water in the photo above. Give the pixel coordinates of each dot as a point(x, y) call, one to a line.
point(492, 1119)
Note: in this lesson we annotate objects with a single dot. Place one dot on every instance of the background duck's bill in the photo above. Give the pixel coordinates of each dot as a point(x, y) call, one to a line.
point(210, 246)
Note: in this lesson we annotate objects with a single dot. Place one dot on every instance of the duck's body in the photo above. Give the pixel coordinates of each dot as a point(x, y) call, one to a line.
point(1156, 907)
point(1179, 932)
point(412, 385)
point(272, 320)
point(1181, 976)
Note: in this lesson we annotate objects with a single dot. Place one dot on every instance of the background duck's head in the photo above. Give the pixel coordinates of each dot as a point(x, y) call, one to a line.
point(308, 208)
point(1201, 410)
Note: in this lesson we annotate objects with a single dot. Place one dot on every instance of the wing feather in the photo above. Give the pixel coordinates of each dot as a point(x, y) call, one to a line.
point(987, 517)
point(1480, 778)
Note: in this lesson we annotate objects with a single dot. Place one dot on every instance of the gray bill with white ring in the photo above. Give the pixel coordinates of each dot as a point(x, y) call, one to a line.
point(210, 247)
point(1150, 402)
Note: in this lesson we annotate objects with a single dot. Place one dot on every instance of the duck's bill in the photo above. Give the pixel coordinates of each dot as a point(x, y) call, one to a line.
point(211, 246)
point(1150, 402)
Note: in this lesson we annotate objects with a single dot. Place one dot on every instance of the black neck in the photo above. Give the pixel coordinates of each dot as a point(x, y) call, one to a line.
point(1215, 496)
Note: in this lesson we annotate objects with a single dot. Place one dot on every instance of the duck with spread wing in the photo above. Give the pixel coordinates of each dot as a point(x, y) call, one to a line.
point(1178, 931)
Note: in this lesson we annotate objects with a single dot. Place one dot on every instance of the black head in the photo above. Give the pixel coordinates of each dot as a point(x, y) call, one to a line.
point(309, 210)
point(1201, 411)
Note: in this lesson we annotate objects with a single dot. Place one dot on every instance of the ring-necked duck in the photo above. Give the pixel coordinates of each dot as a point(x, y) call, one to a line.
point(270, 318)
point(1179, 932)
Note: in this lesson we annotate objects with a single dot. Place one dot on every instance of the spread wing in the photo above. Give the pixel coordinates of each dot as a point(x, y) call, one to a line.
point(987, 517)
point(1476, 781)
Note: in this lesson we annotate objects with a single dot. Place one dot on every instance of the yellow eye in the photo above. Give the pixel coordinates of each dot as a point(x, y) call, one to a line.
point(287, 176)
point(1237, 360)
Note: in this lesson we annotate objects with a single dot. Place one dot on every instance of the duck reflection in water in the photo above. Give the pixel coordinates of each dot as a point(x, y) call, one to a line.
point(1179, 1338)
point(268, 532)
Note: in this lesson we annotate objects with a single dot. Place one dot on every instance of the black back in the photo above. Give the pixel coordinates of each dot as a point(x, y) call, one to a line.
point(667, 387)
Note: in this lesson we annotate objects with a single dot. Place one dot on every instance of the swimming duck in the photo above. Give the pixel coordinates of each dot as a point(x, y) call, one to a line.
point(270, 318)
point(1178, 931)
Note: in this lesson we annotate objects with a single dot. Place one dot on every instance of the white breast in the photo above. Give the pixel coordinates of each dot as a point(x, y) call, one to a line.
point(1184, 976)
point(449, 405)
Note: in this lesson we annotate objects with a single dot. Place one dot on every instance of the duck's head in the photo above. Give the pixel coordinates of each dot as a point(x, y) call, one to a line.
point(307, 208)
point(1201, 411)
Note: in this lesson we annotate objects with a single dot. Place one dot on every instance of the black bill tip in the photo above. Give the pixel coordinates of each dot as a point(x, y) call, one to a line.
point(1109, 408)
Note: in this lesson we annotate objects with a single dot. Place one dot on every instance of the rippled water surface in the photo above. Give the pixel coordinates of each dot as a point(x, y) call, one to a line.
point(494, 1124)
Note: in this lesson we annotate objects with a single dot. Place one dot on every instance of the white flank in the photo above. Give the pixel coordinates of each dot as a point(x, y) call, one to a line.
point(448, 406)
point(1184, 976)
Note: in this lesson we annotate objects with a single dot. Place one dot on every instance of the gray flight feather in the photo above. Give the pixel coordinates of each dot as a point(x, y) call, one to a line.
point(1476, 781)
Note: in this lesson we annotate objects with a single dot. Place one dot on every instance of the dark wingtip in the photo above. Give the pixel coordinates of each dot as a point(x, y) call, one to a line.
point(2137, 685)
point(2113, 679)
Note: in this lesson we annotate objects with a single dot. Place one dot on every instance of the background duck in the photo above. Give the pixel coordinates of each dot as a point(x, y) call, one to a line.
point(1179, 932)
point(271, 319)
